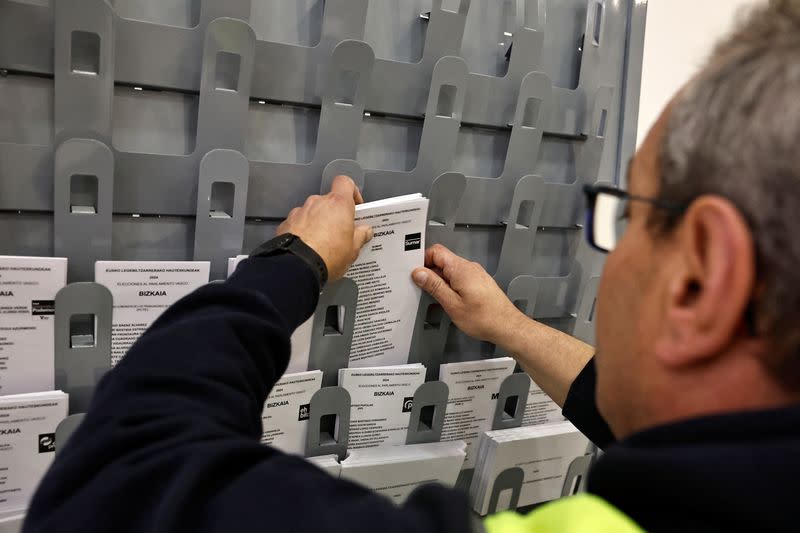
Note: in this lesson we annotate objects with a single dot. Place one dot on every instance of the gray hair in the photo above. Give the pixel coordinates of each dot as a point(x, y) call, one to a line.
point(734, 131)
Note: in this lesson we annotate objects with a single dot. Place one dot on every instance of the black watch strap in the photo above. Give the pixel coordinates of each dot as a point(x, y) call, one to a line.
point(292, 244)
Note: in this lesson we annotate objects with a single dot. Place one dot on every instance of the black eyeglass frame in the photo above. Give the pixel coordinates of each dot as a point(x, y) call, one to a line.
point(593, 191)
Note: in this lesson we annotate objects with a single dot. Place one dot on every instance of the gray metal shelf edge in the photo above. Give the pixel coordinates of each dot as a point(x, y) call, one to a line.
point(293, 73)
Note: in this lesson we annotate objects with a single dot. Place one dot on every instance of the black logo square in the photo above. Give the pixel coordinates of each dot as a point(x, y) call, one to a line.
point(47, 443)
point(305, 412)
point(413, 241)
point(408, 404)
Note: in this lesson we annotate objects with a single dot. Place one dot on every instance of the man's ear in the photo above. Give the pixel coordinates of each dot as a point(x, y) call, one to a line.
point(712, 285)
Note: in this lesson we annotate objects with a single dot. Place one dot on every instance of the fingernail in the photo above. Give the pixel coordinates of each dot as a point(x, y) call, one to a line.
point(420, 277)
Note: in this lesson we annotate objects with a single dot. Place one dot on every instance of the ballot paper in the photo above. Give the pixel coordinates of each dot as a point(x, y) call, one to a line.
point(27, 443)
point(540, 409)
point(142, 290)
point(396, 472)
point(28, 287)
point(387, 297)
point(381, 401)
point(327, 463)
point(474, 387)
point(287, 409)
point(543, 453)
point(301, 338)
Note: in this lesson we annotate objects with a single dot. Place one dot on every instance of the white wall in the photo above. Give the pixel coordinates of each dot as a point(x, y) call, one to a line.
point(680, 34)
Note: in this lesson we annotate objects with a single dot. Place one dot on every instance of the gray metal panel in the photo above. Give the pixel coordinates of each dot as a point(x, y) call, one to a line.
point(514, 386)
point(219, 235)
point(328, 352)
point(578, 471)
point(79, 369)
point(329, 401)
point(433, 394)
point(512, 480)
point(82, 235)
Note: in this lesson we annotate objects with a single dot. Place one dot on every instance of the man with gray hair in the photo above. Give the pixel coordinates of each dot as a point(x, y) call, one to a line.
point(693, 392)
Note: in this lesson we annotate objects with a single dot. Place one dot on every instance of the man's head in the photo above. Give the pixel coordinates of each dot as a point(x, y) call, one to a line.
point(699, 311)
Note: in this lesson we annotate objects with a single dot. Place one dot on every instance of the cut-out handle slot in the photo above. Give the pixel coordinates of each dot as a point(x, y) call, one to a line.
point(597, 32)
point(221, 201)
point(561, 298)
point(226, 76)
point(530, 117)
point(334, 320)
point(346, 87)
point(576, 487)
point(601, 128)
point(83, 194)
point(446, 103)
point(85, 53)
point(510, 408)
point(328, 429)
point(82, 331)
point(426, 415)
point(434, 316)
point(504, 500)
point(525, 214)
point(591, 311)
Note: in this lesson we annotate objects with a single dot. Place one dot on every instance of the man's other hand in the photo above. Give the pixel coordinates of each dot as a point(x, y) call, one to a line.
point(468, 294)
point(327, 225)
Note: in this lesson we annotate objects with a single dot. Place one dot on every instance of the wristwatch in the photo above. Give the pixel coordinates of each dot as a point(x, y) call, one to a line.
point(292, 244)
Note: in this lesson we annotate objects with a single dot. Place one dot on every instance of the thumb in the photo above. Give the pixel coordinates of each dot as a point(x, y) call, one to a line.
point(361, 236)
point(433, 284)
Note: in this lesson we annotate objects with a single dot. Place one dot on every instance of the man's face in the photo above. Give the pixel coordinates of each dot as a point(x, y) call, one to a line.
point(629, 298)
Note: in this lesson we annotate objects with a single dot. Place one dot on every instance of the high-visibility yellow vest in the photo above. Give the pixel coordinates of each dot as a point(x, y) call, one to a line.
point(584, 513)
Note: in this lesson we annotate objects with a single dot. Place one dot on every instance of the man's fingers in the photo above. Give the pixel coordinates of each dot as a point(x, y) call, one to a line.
point(437, 287)
point(345, 187)
point(361, 236)
point(440, 258)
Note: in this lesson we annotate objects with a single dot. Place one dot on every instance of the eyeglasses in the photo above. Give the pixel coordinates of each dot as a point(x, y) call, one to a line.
point(608, 211)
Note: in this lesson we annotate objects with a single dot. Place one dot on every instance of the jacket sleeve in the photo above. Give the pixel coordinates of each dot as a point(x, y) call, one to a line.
point(171, 441)
point(580, 408)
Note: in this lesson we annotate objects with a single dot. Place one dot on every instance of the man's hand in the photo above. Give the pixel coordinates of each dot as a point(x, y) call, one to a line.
point(326, 224)
point(469, 295)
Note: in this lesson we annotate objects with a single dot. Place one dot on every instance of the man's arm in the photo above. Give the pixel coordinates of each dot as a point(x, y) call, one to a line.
point(472, 299)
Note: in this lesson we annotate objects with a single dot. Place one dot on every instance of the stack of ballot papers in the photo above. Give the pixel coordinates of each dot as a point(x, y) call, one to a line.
point(28, 287)
point(328, 463)
point(544, 454)
point(27, 443)
point(540, 409)
point(287, 411)
point(396, 472)
point(142, 290)
point(387, 297)
point(474, 387)
point(381, 400)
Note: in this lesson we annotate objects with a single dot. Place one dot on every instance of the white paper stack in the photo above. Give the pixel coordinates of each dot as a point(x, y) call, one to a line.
point(396, 472)
point(27, 443)
point(301, 338)
point(381, 401)
point(544, 454)
point(387, 297)
point(28, 287)
point(474, 387)
point(287, 410)
point(328, 463)
point(142, 290)
point(540, 409)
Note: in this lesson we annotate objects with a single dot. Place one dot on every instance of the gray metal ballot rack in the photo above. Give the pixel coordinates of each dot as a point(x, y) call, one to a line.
point(148, 130)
